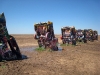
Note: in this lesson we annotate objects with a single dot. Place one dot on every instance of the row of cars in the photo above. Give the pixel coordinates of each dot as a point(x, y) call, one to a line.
point(69, 35)
point(78, 35)
point(45, 37)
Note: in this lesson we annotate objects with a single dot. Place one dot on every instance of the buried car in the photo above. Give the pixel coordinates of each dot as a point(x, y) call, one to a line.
point(80, 35)
point(88, 33)
point(95, 35)
point(68, 35)
point(5, 40)
point(45, 35)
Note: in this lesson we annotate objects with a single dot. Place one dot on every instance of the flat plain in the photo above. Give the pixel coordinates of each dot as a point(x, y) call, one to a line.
point(83, 59)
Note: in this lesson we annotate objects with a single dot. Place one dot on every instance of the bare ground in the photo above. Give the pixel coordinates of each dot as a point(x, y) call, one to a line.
point(83, 59)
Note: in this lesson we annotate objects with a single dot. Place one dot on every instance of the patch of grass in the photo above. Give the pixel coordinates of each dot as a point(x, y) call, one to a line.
point(3, 60)
point(50, 50)
point(73, 45)
point(62, 44)
point(80, 42)
point(40, 49)
point(66, 45)
point(3, 66)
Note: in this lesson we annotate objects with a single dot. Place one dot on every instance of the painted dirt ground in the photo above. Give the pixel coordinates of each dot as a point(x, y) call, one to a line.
point(83, 59)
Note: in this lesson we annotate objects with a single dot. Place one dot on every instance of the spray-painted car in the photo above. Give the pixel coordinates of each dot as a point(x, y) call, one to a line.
point(88, 34)
point(80, 35)
point(68, 35)
point(7, 40)
point(45, 35)
point(95, 35)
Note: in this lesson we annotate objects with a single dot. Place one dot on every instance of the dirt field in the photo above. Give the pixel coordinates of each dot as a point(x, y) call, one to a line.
point(83, 59)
